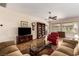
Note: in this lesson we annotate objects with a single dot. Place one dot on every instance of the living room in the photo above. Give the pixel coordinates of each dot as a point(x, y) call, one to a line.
point(26, 30)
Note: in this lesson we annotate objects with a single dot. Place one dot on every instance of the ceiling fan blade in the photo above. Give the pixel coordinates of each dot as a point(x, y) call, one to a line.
point(54, 18)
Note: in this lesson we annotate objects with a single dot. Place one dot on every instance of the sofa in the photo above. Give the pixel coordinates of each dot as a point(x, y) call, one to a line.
point(67, 48)
point(9, 48)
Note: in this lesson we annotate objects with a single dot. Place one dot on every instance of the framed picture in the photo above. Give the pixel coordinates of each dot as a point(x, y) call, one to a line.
point(24, 23)
point(33, 26)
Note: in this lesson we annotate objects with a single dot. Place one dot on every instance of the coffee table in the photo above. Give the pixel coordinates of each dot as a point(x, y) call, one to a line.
point(35, 51)
point(44, 49)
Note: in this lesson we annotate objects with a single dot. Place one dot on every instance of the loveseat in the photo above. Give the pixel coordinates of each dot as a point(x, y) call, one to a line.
point(9, 48)
point(67, 48)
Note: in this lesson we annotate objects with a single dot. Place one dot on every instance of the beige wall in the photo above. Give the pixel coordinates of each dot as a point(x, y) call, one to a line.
point(11, 22)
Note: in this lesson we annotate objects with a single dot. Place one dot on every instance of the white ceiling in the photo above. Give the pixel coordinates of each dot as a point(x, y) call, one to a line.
point(62, 10)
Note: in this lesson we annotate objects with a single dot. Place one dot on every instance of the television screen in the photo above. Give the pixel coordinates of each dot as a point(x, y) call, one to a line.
point(24, 31)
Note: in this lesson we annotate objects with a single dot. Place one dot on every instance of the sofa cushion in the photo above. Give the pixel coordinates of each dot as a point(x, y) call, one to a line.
point(37, 43)
point(34, 44)
point(24, 47)
point(8, 47)
point(15, 53)
point(58, 53)
point(68, 45)
point(76, 50)
point(5, 44)
point(40, 42)
point(8, 50)
point(73, 42)
point(66, 50)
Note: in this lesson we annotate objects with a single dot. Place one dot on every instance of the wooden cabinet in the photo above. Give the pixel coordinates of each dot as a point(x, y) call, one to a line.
point(40, 30)
point(22, 39)
point(61, 34)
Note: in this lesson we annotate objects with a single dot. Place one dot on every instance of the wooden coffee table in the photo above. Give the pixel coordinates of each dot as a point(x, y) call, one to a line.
point(47, 49)
point(35, 51)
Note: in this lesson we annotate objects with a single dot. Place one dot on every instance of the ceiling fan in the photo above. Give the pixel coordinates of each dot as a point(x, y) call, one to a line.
point(52, 17)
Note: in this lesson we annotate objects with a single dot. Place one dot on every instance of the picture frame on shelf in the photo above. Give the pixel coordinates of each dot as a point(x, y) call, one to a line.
point(33, 26)
point(24, 23)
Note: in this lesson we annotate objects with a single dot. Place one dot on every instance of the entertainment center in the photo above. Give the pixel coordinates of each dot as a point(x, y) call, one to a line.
point(24, 35)
point(22, 39)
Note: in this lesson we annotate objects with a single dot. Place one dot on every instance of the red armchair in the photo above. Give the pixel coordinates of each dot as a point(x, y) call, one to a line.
point(53, 38)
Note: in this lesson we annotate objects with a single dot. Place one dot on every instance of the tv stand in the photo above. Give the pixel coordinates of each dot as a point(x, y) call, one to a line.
point(24, 38)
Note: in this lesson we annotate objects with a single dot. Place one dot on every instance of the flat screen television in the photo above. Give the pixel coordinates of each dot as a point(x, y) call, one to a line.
point(24, 31)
